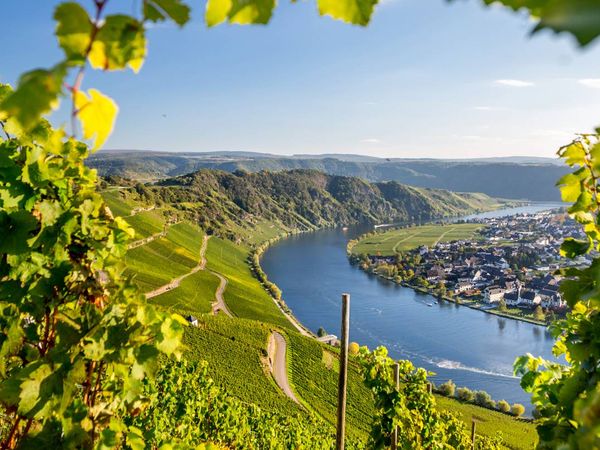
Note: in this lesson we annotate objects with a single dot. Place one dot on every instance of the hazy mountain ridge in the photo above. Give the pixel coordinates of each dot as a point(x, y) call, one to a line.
point(517, 178)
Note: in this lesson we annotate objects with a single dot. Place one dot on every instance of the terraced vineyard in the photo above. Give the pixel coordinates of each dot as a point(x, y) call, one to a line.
point(244, 295)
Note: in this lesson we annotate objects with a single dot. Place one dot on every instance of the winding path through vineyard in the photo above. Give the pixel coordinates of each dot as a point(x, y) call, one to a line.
point(277, 356)
point(219, 304)
point(177, 281)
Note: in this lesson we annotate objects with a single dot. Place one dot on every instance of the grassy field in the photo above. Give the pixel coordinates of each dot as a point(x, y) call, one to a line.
point(158, 262)
point(147, 223)
point(118, 203)
point(390, 242)
point(244, 294)
point(194, 295)
point(517, 434)
point(235, 350)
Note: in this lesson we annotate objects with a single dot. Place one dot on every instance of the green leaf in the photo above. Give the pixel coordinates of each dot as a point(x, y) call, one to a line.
point(241, 12)
point(97, 114)
point(159, 10)
point(73, 30)
point(16, 229)
point(570, 187)
point(572, 248)
point(357, 12)
point(120, 43)
point(580, 18)
point(36, 94)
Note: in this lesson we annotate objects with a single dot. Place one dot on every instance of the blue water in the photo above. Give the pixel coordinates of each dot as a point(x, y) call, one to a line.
point(470, 347)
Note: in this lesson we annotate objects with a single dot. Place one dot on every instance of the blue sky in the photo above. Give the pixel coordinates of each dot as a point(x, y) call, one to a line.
point(425, 79)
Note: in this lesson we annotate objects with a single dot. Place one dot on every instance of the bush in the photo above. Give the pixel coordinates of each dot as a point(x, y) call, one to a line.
point(321, 332)
point(518, 409)
point(465, 394)
point(503, 406)
point(482, 398)
point(448, 388)
point(353, 348)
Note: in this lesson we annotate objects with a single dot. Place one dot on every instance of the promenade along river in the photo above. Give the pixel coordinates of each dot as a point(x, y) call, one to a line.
point(472, 348)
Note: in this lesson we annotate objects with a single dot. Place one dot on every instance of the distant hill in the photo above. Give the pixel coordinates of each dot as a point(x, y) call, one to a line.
point(516, 178)
point(307, 199)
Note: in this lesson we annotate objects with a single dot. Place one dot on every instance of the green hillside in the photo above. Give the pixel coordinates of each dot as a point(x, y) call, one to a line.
point(236, 348)
point(496, 177)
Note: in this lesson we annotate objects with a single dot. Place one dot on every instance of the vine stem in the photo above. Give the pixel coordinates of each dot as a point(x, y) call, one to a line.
point(100, 5)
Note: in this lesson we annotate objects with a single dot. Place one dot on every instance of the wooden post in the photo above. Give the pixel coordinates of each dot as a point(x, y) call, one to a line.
point(397, 381)
point(473, 428)
point(341, 409)
point(430, 387)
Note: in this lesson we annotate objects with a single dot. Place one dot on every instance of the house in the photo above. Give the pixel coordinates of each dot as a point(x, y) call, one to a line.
point(530, 298)
point(493, 294)
point(330, 339)
point(462, 285)
point(435, 273)
point(192, 320)
point(512, 298)
point(551, 299)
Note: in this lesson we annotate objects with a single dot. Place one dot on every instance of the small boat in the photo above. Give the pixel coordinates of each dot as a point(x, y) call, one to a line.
point(430, 304)
point(344, 228)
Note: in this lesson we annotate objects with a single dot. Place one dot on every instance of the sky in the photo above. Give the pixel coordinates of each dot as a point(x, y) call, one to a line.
point(426, 78)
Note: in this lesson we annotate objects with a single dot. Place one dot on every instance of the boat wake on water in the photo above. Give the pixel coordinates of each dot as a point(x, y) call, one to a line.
point(437, 362)
point(455, 365)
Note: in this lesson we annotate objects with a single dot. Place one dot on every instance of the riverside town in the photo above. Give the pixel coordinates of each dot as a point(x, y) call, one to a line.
point(511, 266)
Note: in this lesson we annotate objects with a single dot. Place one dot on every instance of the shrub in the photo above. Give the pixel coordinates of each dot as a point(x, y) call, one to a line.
point(448, 388)
point(465, 394)
point(482, 398)
point(503, 406)
point(518, 409)
point(321, 332)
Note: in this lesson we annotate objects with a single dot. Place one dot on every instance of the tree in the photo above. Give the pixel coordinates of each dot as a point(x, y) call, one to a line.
point(502, 305)
point(518, 409)
point(465, 394)
point(482, 398)
point(448, 388)
point(539, 314)
point(321, 332)
point(503, 406)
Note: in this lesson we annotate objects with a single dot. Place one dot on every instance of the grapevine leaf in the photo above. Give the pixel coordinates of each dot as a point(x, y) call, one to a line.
point(570, 187)
point(120, 43)
point(159, 10)
point(240, 12)
point(15, 229)
point(73, 30)
point(357, 12)
point(36, 94)
point(580, 18)
point(572, 248)
point(97, 114)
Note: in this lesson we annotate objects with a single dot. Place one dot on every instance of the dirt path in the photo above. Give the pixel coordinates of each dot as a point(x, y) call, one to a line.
point(441, 236)
point(277, 358)
point(177, 281)
point(219, 304)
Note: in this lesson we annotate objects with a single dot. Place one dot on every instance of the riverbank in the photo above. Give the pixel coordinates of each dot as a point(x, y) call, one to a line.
point(462, 301)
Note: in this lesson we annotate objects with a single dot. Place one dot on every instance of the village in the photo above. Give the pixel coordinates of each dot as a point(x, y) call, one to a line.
point(511, 266)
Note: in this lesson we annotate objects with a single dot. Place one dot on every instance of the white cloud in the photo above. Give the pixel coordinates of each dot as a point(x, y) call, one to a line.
point(483, 108)
point(515, 83)
point(371, 141)
point(590, 82)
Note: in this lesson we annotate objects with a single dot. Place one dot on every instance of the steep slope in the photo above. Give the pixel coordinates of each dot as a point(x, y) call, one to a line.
point(306, 199)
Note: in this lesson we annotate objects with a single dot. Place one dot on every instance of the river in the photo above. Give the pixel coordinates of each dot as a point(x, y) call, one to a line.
point(472, 348)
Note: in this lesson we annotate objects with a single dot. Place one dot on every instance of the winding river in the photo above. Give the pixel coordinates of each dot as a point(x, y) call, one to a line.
point(470, 347)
